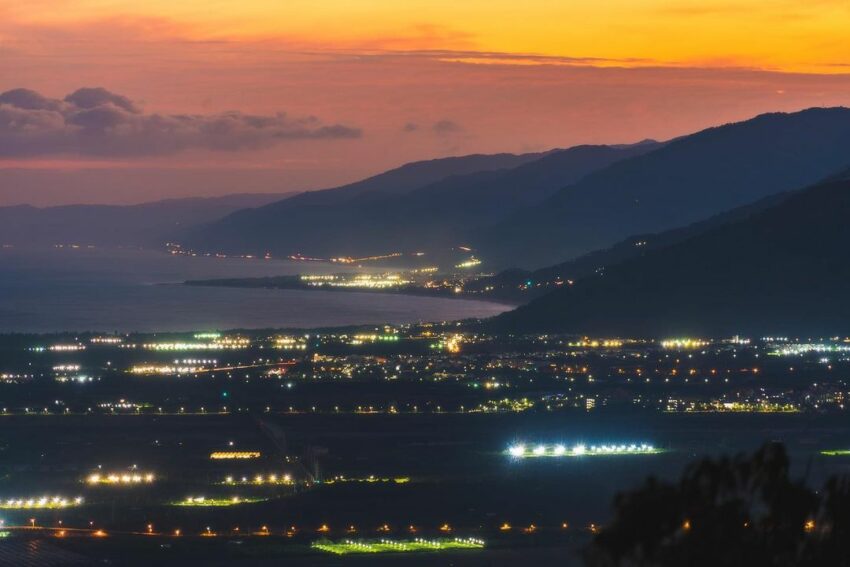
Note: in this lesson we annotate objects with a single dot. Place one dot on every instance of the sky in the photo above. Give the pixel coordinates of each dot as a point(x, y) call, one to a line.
point(119, 101)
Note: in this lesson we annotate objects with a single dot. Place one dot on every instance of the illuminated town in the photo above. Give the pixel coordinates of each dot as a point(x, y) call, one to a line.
point(247, 440)
point(379, 283)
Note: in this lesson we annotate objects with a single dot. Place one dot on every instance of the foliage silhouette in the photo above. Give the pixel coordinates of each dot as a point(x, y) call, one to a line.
point(744, 510)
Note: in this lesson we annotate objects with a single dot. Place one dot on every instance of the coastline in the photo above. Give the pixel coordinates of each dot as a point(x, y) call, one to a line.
point(292, 283)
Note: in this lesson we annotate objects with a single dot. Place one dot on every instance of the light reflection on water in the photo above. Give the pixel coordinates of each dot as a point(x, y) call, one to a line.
point(122, 290)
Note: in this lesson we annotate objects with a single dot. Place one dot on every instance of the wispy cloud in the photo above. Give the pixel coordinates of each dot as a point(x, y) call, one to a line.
point(97, 122)
point(447, 127)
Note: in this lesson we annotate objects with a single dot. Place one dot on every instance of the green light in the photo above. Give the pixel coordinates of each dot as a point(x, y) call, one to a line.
point(201, 501)
point(836, 453)
point(395, 546)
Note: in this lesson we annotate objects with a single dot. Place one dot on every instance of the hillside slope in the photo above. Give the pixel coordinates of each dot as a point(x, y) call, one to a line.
point(687, 180)
point(375, 218)
point(524, 285)
point(783, 270)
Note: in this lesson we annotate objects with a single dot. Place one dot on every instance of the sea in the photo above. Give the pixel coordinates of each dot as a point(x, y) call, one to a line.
point(125, 290)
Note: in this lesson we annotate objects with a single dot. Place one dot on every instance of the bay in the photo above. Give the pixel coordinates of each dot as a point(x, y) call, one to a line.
point(85, 289)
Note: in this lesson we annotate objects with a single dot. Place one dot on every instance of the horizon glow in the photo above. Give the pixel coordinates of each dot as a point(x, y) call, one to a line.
point(453, 79)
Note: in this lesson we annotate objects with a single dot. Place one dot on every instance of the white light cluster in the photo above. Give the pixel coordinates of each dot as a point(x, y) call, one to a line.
point(124, 478)
point(165, 369)
point(217, 344)
point(684, 344)
point(106, 340)
point(260, 479)
point(45, 502)
point(806, 348)
point(521, 451)
point(68, 347)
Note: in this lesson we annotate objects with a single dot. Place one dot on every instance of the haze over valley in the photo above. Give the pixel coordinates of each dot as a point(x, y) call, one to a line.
point(479, 283)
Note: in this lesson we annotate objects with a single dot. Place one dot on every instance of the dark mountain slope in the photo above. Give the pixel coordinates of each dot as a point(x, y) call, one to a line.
point(525, 285)
point(783, 270)
point(411, 176)
point(384, 217)
point(689, 179)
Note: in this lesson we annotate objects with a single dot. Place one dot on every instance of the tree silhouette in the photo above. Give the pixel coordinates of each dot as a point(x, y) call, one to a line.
point(744, 510)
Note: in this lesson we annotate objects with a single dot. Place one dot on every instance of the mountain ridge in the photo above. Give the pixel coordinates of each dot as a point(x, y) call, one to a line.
point(142, 224)
point(435, 215)
point(721, 167)
point(781, 270)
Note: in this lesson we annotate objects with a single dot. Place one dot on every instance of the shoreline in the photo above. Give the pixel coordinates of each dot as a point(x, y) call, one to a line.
point(249, 283)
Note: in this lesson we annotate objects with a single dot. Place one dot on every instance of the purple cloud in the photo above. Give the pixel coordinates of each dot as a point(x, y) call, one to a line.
point(97, 122)
point(97, 97)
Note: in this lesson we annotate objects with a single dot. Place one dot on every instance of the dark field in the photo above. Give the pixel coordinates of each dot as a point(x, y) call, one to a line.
point(458, 475)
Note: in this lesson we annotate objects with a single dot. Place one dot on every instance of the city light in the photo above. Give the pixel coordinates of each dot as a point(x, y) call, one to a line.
point(106, 340)
point(517, 450)
point(290, 343)
point(42, 503)
point(230, 455)
point(361, 281)
point(370, 478)
point(396, 546)
point(220, 343)
point(258, 479)
point(120, 479)
point(684, 344)
point(67, 347)
point(164, 369)
point(520, 451)
point(453, 343)
point(799, 349)
point(363, 338)
point(471, 263)
point(597, 343)
point(203, 501)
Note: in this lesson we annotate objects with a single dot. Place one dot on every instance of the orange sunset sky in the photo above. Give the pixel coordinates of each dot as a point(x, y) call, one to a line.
point(316, 93)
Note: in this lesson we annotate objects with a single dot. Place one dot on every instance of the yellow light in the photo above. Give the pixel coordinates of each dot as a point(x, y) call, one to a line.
point(223, 455)
point(809, 526)
point(125, 478)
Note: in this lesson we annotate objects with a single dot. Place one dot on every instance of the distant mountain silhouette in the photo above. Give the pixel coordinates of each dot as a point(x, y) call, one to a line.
point(687, 180)
point(146, 224)
point(426, 205)
point(782, 270)
point(520, 285)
